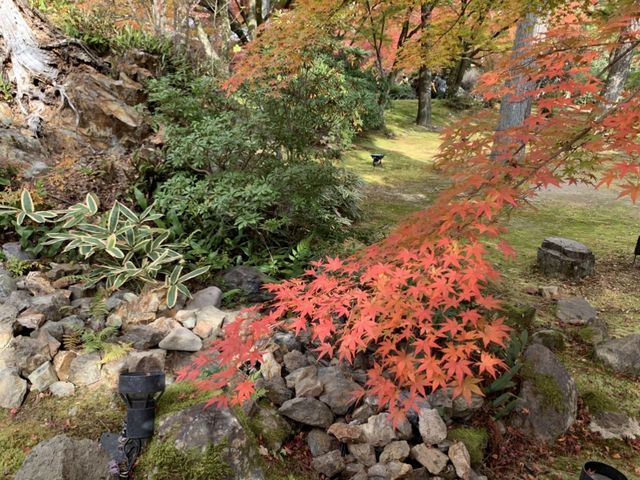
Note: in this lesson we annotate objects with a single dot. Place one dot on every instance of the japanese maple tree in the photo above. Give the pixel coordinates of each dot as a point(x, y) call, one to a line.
point(420, 300)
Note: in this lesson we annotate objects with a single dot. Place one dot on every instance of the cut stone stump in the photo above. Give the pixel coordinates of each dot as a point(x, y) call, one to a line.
point(566, 258)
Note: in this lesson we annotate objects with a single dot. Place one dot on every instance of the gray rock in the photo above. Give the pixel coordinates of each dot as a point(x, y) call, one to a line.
point(330, 464)
point(286, 341)
point(269, 366)
point(7, 285)
point(181, 339)
point(461, 460)
point(30, 353)
point(6, 334)
point(554, 340)
point(362, 413)
point(346, 433)
point(199, 427)
point(276, 390)
point(14, 250)
point(621, 354)
point(63, 458)
point(55, 329)
point(85, 369)
point(49, 305)
point(566, 258)
point(398, 470)
point(62, 389)
point(548, 394)
point(615, 425)
point(164, 325)
point(320, 442)
point(210, 318)
point(339, 392)
point(8, 314)
point(308, 411)
point(20, 299)
point(142, 337)
point(355, 471)
point(62, 363)
point(419, 474)
point(379, 471)
point(464, 410)
point(71, 324)
point(38, 284)
point(149, 361)
point(210, 296)
point(249, 280)
point(12, 388)
point(44, 336)
point(575, 311)
point(379, 431)
point(395, 452)
point(8, 357)
point(294, 360)
point(42, 377)
point(363, 453)
point(432, 428)
point(305, 381)
point(271, 427)
point(431, 458)
point(187, 318)
point(31, 320)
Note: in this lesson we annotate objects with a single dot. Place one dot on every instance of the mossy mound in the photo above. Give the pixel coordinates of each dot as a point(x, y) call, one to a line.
point(598, 402)
point(179, 396)
point(519, 317)
point(475, 439)
point(546, 386)
point(164, 461)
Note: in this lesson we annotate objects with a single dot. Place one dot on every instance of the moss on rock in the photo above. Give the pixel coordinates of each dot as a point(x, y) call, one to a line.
point(179, 396)
point(162, 460)
point(475, 439)
point(519, 317)
point(598, 402)
point(546, 386)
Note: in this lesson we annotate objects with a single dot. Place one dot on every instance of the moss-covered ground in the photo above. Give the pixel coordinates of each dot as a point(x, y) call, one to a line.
point(407, 182)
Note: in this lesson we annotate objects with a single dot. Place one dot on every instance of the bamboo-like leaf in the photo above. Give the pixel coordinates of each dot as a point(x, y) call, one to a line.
point(175, 275)
point(90, 228)
point(142, 201)
point(20, 218)
point(92, 203)
point(172, 296)
point(114, 216)
point(127, 212)
point(111, 241)
point(26, 201)
point(184, 290)
point(194, 273)
point(36, 217)
point(115, 252)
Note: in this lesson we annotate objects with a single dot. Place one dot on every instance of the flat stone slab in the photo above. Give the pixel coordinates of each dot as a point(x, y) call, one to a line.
point(621, 354)
point(566, 258)
point(575, 311)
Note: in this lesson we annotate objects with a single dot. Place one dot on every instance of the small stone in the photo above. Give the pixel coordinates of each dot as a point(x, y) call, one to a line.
point(575, 311)
point(398, 470)
point(110, 372)
point(44, 337)
point(142, 337)
point(213, 318)
point(549, 292)
point(31, 319)
point(204, 298)
point(465, 410)
point(432, 428)
point(305, 381)
point(461, 460)
point(71, 324)
point(395, 452)
point(164, 325)
point(330, 464)
point(62, 389)
point(615, 425)
point(186, 317)
point(379, 431)
point(62, 363)
point(339, 392)
point(12, 389)
point(7, 285)
point(38, 284)
point(8, 313)
point(621, 354)
point(378, 471)
point(346, 433)
point(276, 390)
point(355, 471)
point(14, 250)
point(6, 334)
point(249, 280)
point(149, 361)
point(286, 341)
point(85, 369)
point(42, 377)
point(431, 458)
point(20, 299)
point(320, 442)
point(55, 329)
point(362, 413)
point(30, 353)
point(269, 367)
point(181, 339)
point(363, 453)
point(308, 411)
point(294, 360)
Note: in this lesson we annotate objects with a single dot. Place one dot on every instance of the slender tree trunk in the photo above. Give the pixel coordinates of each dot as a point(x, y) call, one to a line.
point(252, 21)
point(515, 106)
point(159, 16)
point(621, 63)
point(424, 98)
point(455, 79)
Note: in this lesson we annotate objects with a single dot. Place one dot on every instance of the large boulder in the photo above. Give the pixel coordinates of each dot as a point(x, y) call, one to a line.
point(549, 395)
point(566, 258)
point(199, 427)
point(621, 354)
point(64, 458)
point(210, 296)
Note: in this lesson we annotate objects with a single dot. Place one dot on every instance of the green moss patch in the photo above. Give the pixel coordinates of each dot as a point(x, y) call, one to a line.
point(179, 396)
point(546, 386)
point(598, 402)
point(164, 461)
point(475, 439)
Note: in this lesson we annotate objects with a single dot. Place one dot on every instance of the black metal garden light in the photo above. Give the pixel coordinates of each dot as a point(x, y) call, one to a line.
point(600, 471)
point(377, 159)
point(140, 392)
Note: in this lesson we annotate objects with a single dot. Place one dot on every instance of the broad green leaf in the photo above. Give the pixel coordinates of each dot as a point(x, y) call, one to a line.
point(26, 202)
point(92, 203)
point(21, 217)
point(115, 252)
point(140, 198)
point(111, 241)
point(114, 216)
point(36, 217)
point(194, 273)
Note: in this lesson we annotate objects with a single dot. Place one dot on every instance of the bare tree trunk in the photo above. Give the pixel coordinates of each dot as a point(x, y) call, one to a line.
point(159, 16)
point(455, 79)
point(621, 63)
point(424, 98)
point(515, 107)
point(252, 21)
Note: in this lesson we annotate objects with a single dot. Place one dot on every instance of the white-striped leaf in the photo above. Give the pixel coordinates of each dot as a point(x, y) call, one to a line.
point(26, 202)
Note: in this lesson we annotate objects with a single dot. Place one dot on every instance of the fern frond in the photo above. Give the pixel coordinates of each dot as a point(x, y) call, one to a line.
point(115, 351)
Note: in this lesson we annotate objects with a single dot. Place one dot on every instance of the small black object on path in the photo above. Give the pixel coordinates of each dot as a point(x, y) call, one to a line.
point(377, 159)
point(636, 252)
point(600, 471)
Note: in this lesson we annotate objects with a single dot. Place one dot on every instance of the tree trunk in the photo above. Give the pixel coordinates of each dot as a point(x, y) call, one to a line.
point(455, 79)
point(620, 61)
point(424, 98)
point(515, 106)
